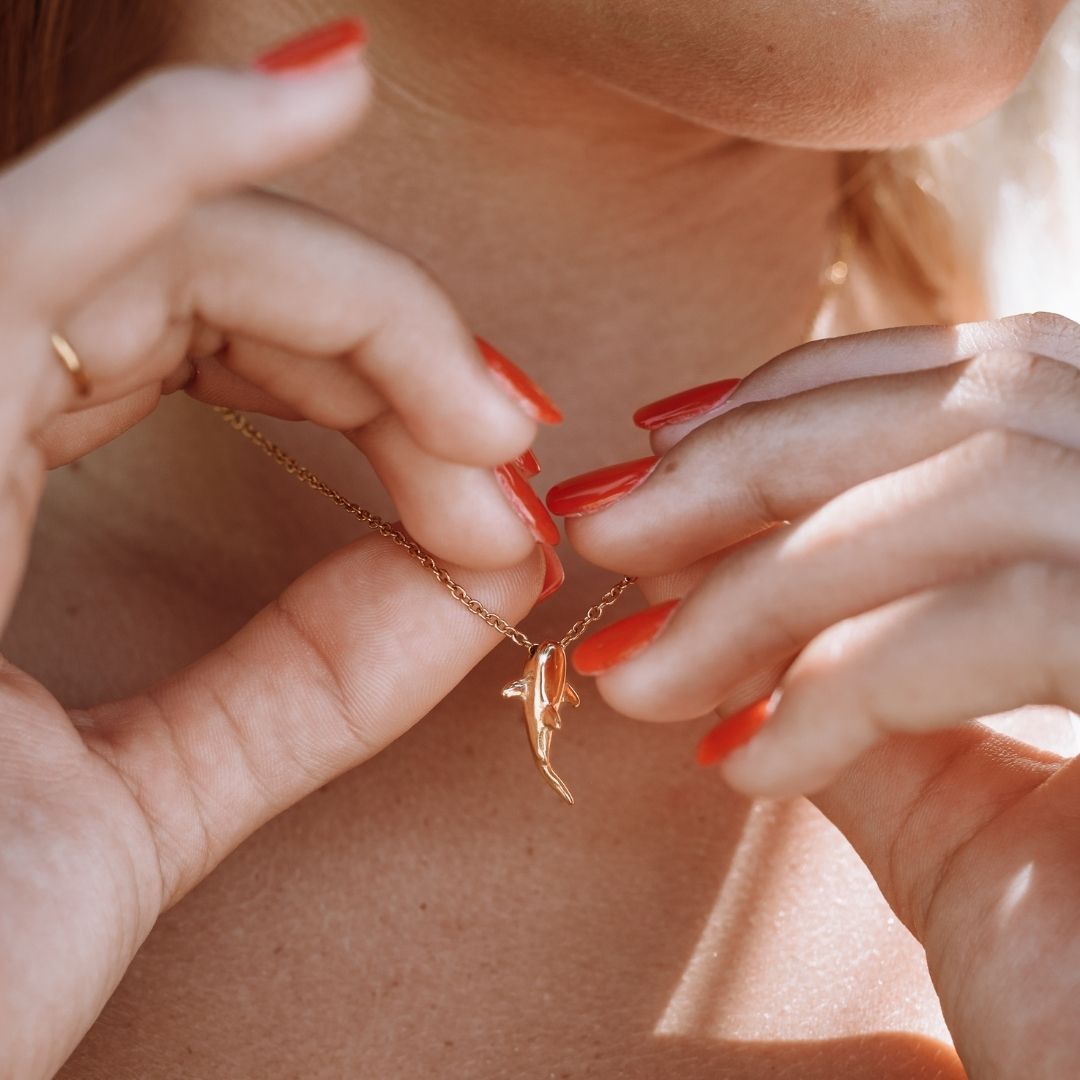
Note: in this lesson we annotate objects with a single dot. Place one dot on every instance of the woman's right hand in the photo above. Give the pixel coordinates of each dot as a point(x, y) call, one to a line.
point(135, 234)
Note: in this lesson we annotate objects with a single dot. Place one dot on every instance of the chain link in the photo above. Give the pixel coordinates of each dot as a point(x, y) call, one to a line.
point(384, 528)
point(596, 611)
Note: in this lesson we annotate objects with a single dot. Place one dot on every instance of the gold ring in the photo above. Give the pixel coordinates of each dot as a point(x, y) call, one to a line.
point(73, 365)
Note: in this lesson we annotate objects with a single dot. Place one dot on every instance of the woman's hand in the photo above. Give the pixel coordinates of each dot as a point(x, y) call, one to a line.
point(885, 528)
point(133, 234)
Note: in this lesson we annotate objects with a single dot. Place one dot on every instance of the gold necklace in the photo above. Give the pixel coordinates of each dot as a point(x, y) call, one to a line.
point(543, 687)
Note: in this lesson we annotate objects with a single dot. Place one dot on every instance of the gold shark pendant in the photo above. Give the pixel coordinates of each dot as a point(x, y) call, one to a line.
point(543, 689)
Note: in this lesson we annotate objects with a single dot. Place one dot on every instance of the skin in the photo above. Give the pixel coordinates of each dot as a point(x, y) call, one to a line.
point(139, 800)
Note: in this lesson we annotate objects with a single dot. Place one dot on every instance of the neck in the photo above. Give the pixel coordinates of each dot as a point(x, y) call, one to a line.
point(617, 252)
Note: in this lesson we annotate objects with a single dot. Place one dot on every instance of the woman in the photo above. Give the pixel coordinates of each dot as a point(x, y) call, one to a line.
point(629, 199)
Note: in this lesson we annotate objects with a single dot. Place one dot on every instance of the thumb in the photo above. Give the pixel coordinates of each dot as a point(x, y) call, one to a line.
point(910, 804)
point(343, 662)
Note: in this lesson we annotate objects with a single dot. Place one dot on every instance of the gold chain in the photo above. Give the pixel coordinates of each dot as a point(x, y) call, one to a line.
point(384, 528)
point(834, 276)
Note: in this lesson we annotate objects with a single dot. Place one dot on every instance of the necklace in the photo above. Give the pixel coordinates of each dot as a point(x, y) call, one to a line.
point(543, 687)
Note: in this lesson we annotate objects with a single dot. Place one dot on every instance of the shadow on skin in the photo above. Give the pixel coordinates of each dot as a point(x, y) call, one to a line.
point(880, 1056)
point(439, 913)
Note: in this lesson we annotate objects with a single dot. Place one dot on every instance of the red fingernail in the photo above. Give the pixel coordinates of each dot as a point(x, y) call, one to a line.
point(326, 45)
point(519, 386)
point(622, 640)
point(734, 731)
point(527, 464)
point(593, 491)
point(685, 405)
point(554, 574)
point(528, 506)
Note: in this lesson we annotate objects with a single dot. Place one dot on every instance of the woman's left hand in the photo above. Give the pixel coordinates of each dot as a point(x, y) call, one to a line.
point(885, 528)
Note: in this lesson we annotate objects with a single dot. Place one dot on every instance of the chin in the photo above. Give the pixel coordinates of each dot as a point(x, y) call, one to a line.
point(841, 74)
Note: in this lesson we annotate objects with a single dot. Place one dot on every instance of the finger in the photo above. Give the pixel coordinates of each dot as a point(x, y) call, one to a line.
point(934, 660)
point(778, 460)
point(997, 498)
point(217, 385)
point(95, 195)
point(457, 512)
point(71, 435)
point(274, 271)
point(345, 661)
point(971, 837)
point(323, 389)
point(889, 352)
point(752, 685)
point(331, 325)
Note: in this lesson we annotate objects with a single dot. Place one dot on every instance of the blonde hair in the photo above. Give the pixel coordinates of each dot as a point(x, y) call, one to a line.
point(986, 222)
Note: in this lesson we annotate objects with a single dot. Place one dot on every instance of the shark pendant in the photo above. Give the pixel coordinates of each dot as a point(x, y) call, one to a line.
point(542, 689)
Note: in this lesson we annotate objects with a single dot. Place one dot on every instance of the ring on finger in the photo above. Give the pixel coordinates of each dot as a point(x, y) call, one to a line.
point(72, 364)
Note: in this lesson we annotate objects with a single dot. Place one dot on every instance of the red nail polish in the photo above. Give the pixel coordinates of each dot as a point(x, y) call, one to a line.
point(527, 464)
point(554, 574)
point(593, 491)
point(622, 640)
point(519, 386)
point(317, 48)
point(528, 506)
point(734, 731)
point(685, 405)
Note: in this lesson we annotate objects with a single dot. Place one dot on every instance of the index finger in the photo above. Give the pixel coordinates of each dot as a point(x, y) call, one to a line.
point(892, 351)
point(98, 193)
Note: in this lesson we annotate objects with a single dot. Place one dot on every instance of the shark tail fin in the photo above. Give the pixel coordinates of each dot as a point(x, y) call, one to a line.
point(555, 781)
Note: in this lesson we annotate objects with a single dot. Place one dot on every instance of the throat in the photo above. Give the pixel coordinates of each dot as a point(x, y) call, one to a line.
point(616, 251)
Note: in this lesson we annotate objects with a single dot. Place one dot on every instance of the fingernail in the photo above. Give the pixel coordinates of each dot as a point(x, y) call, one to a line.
point(527, 504)
point(593, 491)
point(322, 47)
point(735, 731)
point(685, 405)
point(527, 464)
point(554, 574)
point(519, 386)
point(622, 640)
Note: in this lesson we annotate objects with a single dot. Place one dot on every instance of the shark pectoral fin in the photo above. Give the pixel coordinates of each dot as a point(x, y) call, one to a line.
point(516, 689)
point(570, 695)
point(550, 717)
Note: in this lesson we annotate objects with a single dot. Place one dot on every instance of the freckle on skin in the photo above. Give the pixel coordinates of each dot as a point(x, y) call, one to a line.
point(669, 467)
point(770, 48)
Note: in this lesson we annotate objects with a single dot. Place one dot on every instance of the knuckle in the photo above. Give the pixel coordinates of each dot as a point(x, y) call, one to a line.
point(1046, 587)
point(422, 300)
point(1009, 380)
point(407, 274)
point(413, 303)
point(1044, 597)
point(157, 101)
point(1032, 583)
point(1038, 330)
point(1002, 453)
point(1044, 378)
point(1046, 324)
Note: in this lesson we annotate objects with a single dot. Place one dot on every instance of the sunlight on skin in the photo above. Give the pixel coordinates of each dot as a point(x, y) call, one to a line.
point(1054, 730)
point(688, 1009)
point(1015, 893)
point(842, 989)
